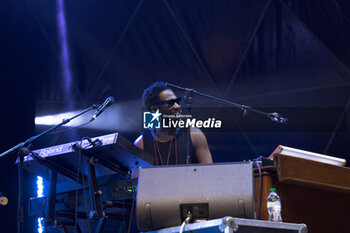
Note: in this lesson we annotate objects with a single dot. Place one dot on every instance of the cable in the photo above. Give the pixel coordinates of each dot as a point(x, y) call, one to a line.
point(256, 161)
point(97, 142)
point(76, 192)
point(187, 220)
point(85, 196)
point(124, 226)
point(186, 225)
point(43, 205)
point(81, 171)
point(182, 226)
point(130, 217)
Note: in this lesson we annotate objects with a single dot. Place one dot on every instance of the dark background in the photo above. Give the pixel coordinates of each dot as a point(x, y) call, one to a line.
point(288, 56)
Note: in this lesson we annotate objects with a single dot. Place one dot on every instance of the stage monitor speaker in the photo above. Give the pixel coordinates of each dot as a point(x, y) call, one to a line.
point(166, 194)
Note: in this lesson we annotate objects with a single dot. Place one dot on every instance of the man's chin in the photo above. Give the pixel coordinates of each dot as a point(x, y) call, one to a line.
point(177, 113)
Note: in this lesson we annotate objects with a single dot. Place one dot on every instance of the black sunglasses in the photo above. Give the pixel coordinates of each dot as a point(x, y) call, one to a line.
point(170, 102)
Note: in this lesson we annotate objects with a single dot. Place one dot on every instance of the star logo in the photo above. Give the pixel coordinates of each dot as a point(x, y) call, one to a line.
point(156, 115)
point(151, 120)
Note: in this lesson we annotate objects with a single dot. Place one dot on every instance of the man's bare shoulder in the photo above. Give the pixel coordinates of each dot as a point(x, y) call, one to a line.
point(200, 144)
point(195, 130)
point(139, 142)
point(196, 134)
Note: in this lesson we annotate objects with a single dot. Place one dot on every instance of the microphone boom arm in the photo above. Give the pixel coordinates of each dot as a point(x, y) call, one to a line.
point(21, 145)
point(272, 116)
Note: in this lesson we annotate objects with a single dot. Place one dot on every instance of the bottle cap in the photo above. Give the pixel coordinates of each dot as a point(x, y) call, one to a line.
point(272, 190)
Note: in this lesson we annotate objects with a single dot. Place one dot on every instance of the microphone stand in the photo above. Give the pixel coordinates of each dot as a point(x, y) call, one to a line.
point(189, 93)
point(189, 101)
point(23, 149)
point(274, 116)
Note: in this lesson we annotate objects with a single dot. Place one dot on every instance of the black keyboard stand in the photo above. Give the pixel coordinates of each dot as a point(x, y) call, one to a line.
point(97, 208)
point(49, 216)
point(96, 211)
point(51, 199)
point(63, 227)
point(109, 159)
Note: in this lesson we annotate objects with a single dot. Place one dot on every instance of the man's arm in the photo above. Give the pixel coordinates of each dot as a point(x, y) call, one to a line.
point(200, 145)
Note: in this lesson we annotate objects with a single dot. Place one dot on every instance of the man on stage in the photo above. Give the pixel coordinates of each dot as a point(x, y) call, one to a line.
point(168, 145)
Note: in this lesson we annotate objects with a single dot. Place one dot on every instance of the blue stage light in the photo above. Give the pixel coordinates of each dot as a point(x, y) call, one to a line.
point(122, 116)
point(40, 193)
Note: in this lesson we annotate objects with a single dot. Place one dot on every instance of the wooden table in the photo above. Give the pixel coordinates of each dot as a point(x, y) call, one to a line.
point(313, 193)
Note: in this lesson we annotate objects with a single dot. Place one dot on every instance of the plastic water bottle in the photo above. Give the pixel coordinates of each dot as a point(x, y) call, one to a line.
point(274, 206)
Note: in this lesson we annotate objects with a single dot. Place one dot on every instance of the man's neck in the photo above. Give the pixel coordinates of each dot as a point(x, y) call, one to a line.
point(163, 135)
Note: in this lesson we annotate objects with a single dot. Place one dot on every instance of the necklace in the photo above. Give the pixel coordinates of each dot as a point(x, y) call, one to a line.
point(160, 155)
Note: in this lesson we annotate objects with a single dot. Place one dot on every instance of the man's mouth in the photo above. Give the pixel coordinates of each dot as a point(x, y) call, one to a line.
point(177, 113)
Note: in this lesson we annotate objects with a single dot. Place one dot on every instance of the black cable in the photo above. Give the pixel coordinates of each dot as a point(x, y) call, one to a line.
point(43, 208)
point(131, 213)
point(259, 188)
point(124, 228)
point(76, 192)
point(81, 171)
point(92, 143)
point(85, 196)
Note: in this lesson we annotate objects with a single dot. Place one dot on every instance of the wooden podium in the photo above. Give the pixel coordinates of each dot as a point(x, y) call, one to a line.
point(313, 193)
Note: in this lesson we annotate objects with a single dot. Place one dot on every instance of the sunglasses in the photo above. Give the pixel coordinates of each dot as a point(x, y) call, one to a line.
point(170, 102)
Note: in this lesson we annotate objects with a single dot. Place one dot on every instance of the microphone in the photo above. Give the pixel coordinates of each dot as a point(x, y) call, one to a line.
point(108, 102)
point(277, 118)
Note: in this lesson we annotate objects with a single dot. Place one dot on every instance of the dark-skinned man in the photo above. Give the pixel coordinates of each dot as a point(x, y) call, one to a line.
point(168, 145)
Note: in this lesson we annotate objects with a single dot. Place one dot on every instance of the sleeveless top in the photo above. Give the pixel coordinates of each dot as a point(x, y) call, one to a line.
point(166, 155)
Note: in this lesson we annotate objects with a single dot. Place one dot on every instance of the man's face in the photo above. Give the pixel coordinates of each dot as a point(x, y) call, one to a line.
point(168, 105)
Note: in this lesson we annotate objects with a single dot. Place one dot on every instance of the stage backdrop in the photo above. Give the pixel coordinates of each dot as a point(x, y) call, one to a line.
point(285, 56)
point(291, 57)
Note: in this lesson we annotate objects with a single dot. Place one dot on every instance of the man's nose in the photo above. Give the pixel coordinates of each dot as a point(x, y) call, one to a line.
point(176, 106)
